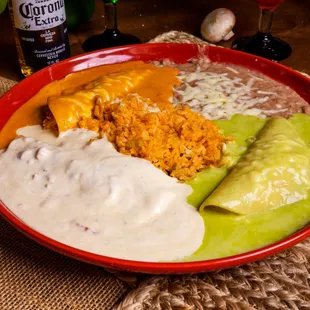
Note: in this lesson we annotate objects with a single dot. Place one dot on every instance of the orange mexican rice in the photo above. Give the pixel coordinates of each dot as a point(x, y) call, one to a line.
point(177, 140)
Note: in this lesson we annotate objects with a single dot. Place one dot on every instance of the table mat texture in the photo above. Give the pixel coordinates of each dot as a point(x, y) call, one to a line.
point(34, 278)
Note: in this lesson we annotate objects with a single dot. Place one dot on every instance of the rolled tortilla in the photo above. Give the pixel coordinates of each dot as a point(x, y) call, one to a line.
point(70, 107)
point(274, 172)
point(149, 81)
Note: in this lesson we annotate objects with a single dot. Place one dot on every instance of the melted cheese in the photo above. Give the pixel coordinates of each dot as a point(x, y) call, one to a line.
point(216, 96)
point(159, 88)
point(153, 83)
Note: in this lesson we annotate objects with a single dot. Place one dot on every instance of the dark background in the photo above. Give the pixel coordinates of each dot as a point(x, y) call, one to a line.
point(149, 18)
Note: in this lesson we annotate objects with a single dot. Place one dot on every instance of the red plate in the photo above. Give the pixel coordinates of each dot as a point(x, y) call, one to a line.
point(180, 53)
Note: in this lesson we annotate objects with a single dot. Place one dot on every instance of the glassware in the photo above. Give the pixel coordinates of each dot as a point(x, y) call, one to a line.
point(263, 43)
point(111, 36)
point(40, 34)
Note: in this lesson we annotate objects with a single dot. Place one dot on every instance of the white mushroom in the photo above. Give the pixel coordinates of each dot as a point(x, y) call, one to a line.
point(218, 25)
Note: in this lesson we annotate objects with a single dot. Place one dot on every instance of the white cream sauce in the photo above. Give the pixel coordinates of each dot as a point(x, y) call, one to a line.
point(89, 196)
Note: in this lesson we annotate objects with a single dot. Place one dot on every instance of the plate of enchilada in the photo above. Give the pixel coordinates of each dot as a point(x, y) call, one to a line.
point(159, 158)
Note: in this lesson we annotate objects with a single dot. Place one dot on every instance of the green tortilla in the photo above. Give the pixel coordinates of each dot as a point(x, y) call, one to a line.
point(273, 173)
point(228, 233)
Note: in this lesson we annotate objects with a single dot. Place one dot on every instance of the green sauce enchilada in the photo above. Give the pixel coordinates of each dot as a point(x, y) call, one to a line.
point(229, 233)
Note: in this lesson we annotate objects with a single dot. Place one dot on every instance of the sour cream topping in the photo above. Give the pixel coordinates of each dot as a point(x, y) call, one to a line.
point(89, 196)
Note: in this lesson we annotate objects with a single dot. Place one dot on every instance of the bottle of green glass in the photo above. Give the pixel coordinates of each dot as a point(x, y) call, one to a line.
point(78, 12)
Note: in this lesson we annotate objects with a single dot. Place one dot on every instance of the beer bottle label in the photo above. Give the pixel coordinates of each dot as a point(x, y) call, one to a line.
point(42, 31)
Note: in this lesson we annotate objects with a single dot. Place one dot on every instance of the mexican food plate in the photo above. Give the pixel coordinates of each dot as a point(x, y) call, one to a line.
point(159, 158)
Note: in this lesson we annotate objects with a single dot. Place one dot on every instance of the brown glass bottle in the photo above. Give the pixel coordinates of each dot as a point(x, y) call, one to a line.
point(40, 33)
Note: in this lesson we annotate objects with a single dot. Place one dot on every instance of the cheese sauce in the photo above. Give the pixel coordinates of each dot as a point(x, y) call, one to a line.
point(89, 196)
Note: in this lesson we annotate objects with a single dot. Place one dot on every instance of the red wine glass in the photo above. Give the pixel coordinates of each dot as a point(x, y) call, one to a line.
point(111, 36)
point(263, 43)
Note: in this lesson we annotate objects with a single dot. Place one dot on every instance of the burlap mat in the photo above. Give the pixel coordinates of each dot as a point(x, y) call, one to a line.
point(34, 278)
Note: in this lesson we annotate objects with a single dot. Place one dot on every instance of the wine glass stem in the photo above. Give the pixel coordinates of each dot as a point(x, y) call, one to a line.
point(265, 20)
point(110, 15)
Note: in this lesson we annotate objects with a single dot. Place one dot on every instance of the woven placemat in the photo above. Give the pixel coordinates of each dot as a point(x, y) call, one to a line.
point(34, 278)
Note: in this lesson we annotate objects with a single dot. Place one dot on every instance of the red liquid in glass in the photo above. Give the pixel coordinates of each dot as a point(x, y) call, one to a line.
point(263, 43)
point(268, 4)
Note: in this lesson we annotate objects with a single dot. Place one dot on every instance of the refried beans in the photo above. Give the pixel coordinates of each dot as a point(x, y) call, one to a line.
point(219, 91)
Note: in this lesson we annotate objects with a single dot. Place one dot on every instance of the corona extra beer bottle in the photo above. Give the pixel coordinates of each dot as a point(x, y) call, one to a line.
point(40, 33)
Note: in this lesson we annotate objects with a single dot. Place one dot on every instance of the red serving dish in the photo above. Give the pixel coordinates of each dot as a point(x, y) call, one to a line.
point(179, 53)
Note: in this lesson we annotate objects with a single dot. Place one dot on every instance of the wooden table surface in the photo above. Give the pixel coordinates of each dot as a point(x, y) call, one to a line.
point(147, 19)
